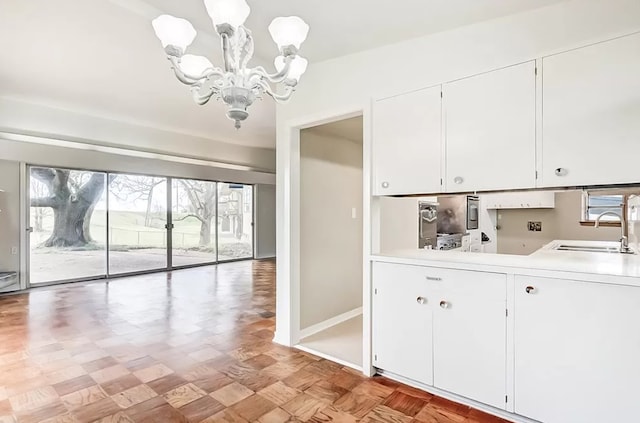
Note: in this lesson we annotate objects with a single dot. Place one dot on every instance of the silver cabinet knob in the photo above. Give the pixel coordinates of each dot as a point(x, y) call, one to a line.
point(385, 184)
point(432, 278)
point(421, 300)
point(458, 180)
point(561, 171)
point(444, 304)
point(530, 289)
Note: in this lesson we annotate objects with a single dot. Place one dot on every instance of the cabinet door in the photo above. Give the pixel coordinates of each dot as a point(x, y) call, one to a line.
point(469, 336)
point(402, 321)
point(576, 351)
point(591, 105)
point(491, 130)
point(407, 140)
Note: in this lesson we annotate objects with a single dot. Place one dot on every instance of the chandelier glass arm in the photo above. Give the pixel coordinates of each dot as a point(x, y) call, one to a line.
point(265, 87)
point(226, 54)
point(202, 99)
point(275, 78)
point(186, 79)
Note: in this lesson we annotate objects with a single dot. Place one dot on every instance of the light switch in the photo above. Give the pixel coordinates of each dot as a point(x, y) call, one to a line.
point(14, 251)
point(354, 214)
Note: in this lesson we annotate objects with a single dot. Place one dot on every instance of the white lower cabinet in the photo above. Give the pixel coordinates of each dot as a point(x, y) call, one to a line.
point(402, 321)
point(577, 351)
point(469, 336)
point(442, 327)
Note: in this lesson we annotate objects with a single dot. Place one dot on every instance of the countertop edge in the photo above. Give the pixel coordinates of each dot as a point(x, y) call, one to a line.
point(512, 265)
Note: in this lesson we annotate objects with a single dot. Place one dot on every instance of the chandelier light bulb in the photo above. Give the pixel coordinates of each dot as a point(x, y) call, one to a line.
point(297, 68)
point(174, 31)
point(231, 12)
point(194, 65)
point(287, 31)
point(234, 83)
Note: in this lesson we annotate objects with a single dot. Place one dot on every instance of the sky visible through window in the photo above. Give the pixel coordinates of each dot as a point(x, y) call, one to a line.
point(602, 203)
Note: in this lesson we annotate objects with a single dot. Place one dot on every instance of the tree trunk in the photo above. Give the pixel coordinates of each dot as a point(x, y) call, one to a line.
point(71, 212)
point(38, 216)
point(147, 215)
point(86, 227)
point(68, 225)
point(205, 232)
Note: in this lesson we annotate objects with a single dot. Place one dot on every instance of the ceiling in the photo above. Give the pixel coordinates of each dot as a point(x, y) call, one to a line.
point(350, 129)
point(101, 57)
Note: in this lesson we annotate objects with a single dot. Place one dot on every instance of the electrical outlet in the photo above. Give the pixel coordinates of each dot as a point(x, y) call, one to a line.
point(14, 251)
point(535, 226)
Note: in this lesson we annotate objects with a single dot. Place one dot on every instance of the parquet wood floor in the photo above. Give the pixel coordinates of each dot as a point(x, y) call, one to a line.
point(189, 346)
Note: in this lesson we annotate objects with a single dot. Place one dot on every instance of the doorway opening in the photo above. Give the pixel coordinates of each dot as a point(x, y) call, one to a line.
point(331, 240)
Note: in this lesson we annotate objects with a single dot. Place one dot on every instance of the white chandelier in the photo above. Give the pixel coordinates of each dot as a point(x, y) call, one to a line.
point(236, 84)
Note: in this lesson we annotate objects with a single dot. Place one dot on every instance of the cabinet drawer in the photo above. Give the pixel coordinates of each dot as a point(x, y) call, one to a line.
point(481, 284)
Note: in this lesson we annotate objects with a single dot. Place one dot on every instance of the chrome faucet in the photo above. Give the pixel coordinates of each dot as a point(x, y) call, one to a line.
point(624, 240)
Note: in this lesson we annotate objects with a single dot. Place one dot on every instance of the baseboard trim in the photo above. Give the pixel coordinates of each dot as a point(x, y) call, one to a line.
point(328, 357)
point(319, 327)
point(515, 418)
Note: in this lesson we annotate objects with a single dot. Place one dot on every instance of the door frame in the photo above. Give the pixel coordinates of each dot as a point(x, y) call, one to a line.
point(288, 224)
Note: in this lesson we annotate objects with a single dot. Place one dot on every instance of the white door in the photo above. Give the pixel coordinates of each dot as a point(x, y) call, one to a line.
point(407, 142)
point(490, 130)
point(591, 115)
point(402, 321)
point(469, 336)
point(577, 350)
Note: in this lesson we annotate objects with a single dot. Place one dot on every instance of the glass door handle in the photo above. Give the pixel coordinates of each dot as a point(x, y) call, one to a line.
point(30, 229)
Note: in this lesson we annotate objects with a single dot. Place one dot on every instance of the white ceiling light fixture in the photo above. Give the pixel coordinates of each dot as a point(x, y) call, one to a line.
point(236, 84)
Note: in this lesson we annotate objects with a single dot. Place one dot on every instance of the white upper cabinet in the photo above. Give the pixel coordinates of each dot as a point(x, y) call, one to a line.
point(491, 130)
point(402, 321)
point(591, 115)
point(520, 200)
point(576, 351)
point(407, 140)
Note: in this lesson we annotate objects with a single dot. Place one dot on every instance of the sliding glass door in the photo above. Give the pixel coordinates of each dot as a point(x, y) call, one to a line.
point(87, 224)
point(194, 222)
point(235, 221)
point(67, 225)
point(137, 223)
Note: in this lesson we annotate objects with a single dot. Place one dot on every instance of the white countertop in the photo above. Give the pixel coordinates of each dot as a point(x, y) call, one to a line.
point(613, 267)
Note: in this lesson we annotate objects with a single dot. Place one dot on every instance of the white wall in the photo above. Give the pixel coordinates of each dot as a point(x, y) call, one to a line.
point(26, 118)
point(399, 222)
point(265, 221)
point(427, 61)
point(9, 215)
point(347, 84)
point(330, 238)
point(50, 155)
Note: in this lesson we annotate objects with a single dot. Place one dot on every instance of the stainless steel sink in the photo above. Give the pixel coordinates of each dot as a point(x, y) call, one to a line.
point(587, 249)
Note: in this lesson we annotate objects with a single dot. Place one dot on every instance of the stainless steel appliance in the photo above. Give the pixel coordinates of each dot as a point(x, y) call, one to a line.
point(458, 214)
point(427, 225)
point(449, 241)
point(473, 211)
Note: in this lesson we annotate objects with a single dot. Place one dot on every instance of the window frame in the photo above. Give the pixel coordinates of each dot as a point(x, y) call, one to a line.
point(585, 221)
